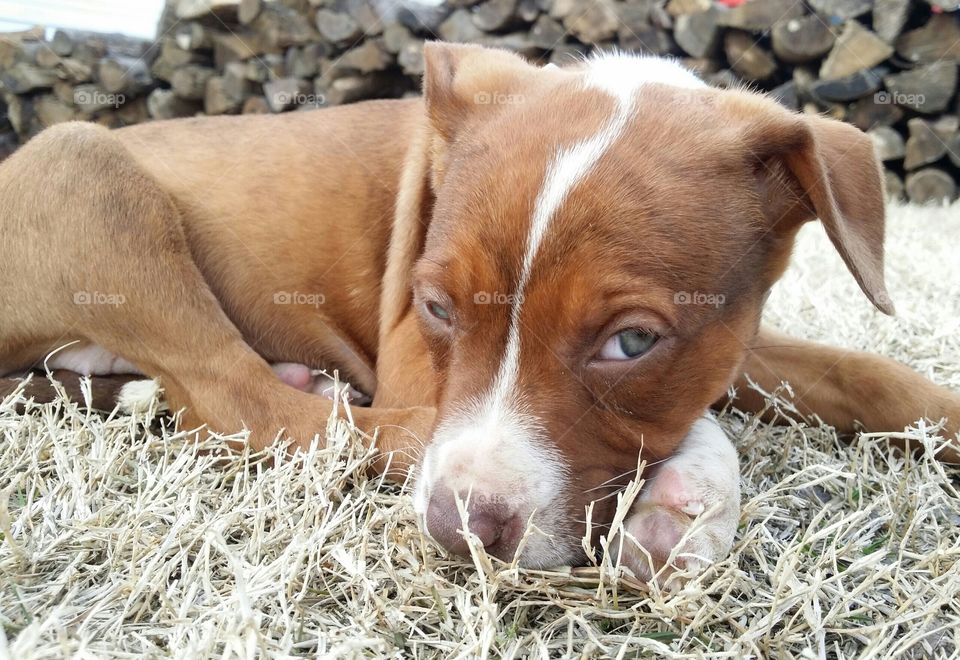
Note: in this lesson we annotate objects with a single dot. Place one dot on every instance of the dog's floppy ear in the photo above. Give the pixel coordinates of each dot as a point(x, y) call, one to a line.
point(837, 178)
point(458, 78)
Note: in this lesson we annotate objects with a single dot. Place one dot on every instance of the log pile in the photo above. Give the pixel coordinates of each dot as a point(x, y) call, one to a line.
point(890, 67)
point(72, 75)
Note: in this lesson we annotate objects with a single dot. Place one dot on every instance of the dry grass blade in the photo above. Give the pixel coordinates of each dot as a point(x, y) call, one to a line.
point(119, 538)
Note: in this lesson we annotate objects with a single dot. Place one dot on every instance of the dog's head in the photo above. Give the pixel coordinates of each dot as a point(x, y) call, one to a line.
point(593, 247)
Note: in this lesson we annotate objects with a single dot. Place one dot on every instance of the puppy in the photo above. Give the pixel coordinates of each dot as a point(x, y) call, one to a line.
point(539, 275)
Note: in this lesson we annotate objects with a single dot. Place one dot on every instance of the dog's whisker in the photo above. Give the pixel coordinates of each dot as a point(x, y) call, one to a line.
point(603, 486)
point(413, 436)
point(402, 452)
point(609, 495)
point(627, 473)
point(609, 483)
point(594, 524)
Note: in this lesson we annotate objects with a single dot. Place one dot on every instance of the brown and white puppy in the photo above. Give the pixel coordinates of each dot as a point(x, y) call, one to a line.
point(538, 274)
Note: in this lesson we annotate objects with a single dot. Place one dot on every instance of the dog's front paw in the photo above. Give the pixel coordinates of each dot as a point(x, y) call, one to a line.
point(686, 517)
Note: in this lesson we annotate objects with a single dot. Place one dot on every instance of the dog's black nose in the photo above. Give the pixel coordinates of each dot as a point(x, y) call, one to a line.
point(489, 519)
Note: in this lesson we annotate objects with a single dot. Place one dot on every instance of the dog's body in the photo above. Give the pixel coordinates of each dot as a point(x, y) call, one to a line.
point(508, 279)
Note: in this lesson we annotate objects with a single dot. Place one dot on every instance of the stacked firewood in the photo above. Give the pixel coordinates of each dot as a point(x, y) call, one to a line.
point(72, 75)
point(889, 67)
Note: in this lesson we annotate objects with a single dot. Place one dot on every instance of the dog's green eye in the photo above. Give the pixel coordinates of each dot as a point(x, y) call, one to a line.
point(628, 344)
point(438, 311)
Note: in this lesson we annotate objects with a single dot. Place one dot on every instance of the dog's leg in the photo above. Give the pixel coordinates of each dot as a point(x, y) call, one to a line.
point(93, 250)
point(690, 509)
point(109, 266)
point(845, 388)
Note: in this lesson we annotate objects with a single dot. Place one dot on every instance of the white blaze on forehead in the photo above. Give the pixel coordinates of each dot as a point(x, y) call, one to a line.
point(619, 75)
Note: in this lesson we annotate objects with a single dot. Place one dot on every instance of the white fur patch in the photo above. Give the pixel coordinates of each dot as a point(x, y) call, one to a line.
point(621, 74)
point(138, 396)
point(702, 481)
point(708, 461)
point(90, 360)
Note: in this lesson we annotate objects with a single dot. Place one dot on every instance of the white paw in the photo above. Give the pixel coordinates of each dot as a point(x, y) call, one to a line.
point(138, 396)
point(687, 514)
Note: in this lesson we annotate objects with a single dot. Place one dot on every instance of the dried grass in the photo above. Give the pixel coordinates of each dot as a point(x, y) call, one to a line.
point(119, 538)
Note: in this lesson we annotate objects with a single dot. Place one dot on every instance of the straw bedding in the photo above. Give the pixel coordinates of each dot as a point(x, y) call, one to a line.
point(118, 538)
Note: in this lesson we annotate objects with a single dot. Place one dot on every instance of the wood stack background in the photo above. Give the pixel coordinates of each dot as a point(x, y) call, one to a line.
point(889, 67)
